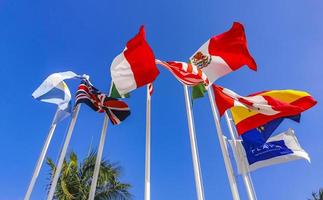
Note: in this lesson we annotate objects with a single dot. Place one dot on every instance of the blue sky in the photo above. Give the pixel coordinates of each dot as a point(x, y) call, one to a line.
point(42, 37)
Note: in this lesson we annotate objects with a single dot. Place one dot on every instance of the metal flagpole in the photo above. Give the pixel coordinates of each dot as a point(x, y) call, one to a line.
point(98, 158)
point(225, 153)
point(99, 154)
point(196, 164)
point(41, 157)
point(63, 153)
point(147, 159)
point(245, 176)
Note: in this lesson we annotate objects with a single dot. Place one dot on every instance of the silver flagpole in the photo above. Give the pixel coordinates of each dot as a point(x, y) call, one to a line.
point(99, 154)
point(98, 158)
point(63, 153)
point(245, 176)
point(147, 159)
point(41, 158)
point(225, 153)
point(196, 164)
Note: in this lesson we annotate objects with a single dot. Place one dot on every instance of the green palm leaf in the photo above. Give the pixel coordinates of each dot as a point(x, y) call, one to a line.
point(75, 180)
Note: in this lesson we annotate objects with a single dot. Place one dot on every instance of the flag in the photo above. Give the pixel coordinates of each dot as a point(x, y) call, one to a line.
point(54, 90)
point(261, 134)
point(116, 110)
point(115, 94)
point(224, 53)
point(185, 73)
point(135, 66)
point(258, 109)
point(150, 89)
point(278, 149)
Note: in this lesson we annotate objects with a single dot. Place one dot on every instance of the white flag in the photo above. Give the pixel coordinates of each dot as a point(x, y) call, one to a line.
point(281, 148)
point(54, 90)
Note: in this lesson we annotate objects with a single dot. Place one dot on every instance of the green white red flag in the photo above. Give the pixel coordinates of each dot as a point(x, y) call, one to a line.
point(135, 66)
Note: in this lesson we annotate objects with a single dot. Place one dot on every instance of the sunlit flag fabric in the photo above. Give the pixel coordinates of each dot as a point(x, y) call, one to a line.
point(135, 66)
point(114, 93)
point(116, 110)
point(258, 109)
point(54, 90)
point(281, 148)
point(224, 53)
point(261, 134)
point(186, 73)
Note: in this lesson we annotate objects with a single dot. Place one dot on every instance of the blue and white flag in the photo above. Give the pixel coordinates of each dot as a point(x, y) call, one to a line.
point(281, 148)
point(260, 135)
point(54, 90)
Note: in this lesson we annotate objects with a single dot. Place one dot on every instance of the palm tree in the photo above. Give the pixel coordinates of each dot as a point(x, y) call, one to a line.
point(317, 196)
point(75, 180)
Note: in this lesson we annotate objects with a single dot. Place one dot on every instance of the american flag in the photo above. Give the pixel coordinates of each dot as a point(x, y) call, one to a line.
point(150, 89)
point(186, 73)
point(116, 110)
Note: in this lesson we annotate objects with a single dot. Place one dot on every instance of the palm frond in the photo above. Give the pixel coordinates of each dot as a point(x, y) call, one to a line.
point(75, 179)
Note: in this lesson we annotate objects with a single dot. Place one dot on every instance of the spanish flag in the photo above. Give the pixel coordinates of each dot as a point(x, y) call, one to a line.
point(246, 119)
point(258, 109)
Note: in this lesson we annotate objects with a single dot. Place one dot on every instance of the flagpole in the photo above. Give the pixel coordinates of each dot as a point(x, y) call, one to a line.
point(195, 159)
point(147, 159)
point(98, 158)
point(41, 157)
point(63, 153)
point(99, 154)
point(225, 153)
point(245, 176)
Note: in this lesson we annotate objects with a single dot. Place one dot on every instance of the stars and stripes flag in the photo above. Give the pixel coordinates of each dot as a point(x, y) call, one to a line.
point(117, 110)
point(150, 89)
point(186, 73)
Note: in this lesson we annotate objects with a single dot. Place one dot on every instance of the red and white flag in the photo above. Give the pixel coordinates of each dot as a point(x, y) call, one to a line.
point(135, 66)
point(257, 109)
point(224, 53)
point(186, 73)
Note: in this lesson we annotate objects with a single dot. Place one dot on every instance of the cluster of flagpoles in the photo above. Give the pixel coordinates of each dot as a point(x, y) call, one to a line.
point(212, 56)
point(194, 151)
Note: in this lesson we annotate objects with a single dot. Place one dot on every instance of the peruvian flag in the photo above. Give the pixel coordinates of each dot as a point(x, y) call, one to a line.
point(135, 66)
point(224, 53)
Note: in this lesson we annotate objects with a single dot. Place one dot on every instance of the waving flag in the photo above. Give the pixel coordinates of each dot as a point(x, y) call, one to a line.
point(186, 73)
point(224, 53)
point(135, 66)
point(278, 149)
point(114, 93)
point(54, 90)
point(261, 134)
point(258, 109)
point(116, 110)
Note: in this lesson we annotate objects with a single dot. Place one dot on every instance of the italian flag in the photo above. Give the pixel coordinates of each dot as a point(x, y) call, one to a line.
point(224, 53)
point(135, 66)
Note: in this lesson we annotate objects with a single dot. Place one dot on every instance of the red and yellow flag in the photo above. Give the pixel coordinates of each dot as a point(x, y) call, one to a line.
point(287, 103)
